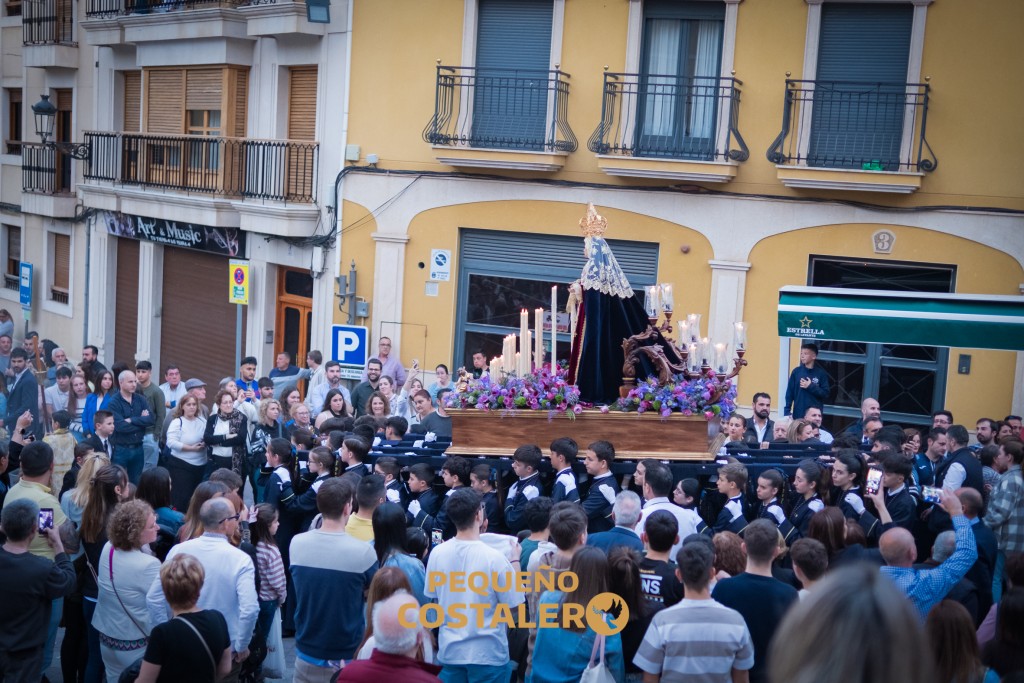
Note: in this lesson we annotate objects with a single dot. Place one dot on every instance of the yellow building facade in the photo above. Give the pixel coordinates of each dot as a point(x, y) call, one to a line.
point(735, 147)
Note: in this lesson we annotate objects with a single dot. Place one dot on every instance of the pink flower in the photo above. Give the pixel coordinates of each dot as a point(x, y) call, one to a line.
point(604, 409)
point(708, 415)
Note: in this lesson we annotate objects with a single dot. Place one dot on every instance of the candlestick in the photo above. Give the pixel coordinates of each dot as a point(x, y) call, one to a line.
point(739, 337)
point(666, 298)
point(693, 324)
point(651, 303)
point(721, 358)
point(538, 338)
point(554, 329)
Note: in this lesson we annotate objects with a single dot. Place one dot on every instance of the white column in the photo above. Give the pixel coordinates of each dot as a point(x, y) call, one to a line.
point(728, 285)
point(325, 303)
point(784, 351)
point(388, 282)
point(151, 286)
point(260, 313)
point(102, 290)
point(1017, 402)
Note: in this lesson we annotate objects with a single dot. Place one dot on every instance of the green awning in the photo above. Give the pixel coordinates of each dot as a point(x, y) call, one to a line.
point(960, 320)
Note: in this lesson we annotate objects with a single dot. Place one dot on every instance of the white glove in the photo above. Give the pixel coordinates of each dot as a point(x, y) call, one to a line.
point(608, 492)
point(430, 436)
point(735, 509)
point(531, 492)
point(855, 501)
point(284, 475)
point(393, 496)
point(414, 507)
point(776, 512)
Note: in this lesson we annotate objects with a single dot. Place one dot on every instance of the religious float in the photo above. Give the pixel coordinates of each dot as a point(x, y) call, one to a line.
point(625, 381)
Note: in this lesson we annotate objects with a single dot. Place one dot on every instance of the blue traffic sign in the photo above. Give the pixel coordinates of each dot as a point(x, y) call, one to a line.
point(25, 285)
point(350, 345)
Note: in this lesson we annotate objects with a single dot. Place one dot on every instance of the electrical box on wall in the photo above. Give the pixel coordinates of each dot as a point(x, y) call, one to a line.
point(362, 309)
point(963, 366)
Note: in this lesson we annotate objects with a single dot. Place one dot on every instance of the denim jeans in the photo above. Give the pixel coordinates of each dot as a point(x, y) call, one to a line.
point(476, 673)
point(150, 451)
point(130, 458)
point(268, 608)
point(56, 610)
point(94, 666)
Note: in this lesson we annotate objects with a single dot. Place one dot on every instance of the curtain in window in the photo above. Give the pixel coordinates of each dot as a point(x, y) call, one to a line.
point(663, 65)
point(702, 113)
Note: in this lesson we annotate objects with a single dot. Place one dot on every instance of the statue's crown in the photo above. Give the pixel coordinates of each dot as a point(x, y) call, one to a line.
point(593, 224)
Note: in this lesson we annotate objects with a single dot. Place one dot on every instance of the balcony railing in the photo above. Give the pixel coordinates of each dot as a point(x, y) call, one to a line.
point(108, 8)
point(12, 282)
point(670, 117)
point(501, 109)
point(48, 22)
point(44, 170)
point(280, 170)
point(854, 125)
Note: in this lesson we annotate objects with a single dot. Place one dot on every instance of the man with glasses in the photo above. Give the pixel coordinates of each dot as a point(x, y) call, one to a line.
point(230, 585)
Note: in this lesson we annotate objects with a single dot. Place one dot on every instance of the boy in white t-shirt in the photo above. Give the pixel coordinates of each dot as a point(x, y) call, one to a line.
point(476, 652)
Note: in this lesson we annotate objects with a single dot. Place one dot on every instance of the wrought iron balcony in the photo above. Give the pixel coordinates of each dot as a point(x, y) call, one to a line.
point(855, 126)
point(44, 170)
point(48, 22)
point(280, 170)
point(502, 109)
point(109, 8)
point(669, 117)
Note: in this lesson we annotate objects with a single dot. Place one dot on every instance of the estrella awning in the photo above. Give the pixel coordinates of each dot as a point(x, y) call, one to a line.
point(959, 320)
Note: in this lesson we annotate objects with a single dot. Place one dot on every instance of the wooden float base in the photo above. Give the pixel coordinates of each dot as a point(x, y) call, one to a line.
point(634, 435)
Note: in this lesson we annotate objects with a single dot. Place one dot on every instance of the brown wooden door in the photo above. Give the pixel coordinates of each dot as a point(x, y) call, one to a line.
point(294, 313)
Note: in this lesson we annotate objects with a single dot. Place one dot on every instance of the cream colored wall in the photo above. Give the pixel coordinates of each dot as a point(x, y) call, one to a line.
point(969, 53)
point(439, 229)
point(783, 260)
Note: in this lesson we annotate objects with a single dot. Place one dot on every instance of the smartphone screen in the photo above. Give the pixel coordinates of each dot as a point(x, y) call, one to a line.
point(874, 480)
point(931, 494)
point(45, 518)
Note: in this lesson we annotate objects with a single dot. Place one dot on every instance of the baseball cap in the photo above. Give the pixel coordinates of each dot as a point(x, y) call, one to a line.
point(194, 383)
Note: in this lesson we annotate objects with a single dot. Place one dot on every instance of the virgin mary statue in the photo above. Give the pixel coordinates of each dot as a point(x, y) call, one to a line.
point(606, 312)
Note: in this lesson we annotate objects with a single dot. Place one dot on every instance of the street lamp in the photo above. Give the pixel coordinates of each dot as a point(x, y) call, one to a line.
point(45, 116)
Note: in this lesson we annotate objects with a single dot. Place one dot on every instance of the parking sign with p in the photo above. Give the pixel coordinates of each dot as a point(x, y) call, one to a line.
point(350, 345)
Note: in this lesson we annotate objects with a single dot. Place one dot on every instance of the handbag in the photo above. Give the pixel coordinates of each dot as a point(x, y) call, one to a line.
point(597, 671)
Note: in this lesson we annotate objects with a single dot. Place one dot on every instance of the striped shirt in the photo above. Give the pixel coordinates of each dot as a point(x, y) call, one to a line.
point(273, 585)
point(696, 641)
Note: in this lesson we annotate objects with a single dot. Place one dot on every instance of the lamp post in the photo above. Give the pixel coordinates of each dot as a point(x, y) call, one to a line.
point(45, 115)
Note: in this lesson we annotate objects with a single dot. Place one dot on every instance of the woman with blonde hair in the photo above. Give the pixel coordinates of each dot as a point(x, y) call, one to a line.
point(194, 646)
point(799, 431)
point(125, 574)
point(869, 642)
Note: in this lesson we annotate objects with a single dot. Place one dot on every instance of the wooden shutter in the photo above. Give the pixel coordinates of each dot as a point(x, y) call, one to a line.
point(132, 101)
point(62, 262)
point(302, 103)
point(65, 99)
point(165, 101)
point(204, 89)
point(241, 102)
point(13, 250)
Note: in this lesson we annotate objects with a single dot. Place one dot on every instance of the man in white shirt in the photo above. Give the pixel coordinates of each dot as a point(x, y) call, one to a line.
point(657, 488)
point(56, 396)
point(332, 380)
point(230, 584)
point(173, 388)
point(477, 651)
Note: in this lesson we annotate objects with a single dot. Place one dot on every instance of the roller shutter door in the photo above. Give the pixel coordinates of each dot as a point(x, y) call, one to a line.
point(197, 330)
point(126, 305)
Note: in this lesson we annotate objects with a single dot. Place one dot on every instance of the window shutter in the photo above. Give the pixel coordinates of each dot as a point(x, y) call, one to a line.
point(61, 262)
point(64, 99)
point(302, 103)
point(132, 101)
point(13, 249)
point(165, 111)
point(204, 88)
point(864, 42)
point(558, 255)
point(241, 102)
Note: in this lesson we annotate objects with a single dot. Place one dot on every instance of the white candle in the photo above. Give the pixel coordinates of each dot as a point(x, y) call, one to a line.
point(651, 304)
point(524, 326)
point(528, 353)
point(739, 339)
point(554, 328)
point(721, 357)
point(666, 298)
point(519, 364)
point(538, 338)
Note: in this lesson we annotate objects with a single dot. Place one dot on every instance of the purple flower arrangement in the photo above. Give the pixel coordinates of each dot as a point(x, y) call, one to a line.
point(702, 396)
point(540, 390)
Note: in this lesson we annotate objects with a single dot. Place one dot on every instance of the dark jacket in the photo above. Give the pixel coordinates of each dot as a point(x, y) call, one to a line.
point(130, 425)
point(750, 436)
point(597, 507)
point(799, 400)
point(22, 396)
point(35, 582)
